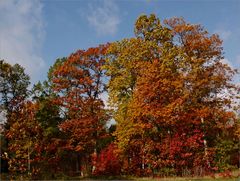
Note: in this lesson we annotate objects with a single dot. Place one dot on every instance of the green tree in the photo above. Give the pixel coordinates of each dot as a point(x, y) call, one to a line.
point(49, 117)
point(13, 85)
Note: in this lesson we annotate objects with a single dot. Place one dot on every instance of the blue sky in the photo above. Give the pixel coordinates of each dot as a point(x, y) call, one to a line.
point(35, 33)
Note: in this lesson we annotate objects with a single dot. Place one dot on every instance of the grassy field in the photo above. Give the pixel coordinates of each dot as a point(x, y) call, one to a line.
point(188, 179)
point(235, 177)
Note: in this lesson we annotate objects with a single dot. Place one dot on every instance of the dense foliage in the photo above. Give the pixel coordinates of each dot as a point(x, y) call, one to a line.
point(170, 94)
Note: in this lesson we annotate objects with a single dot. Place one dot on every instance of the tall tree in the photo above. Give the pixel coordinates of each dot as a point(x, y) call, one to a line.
point(13, 91)
point(48, 116)
point(78, 82)
point(175, 93)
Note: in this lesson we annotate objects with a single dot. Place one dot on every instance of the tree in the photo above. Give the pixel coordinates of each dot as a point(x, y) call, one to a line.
point(172, 79)
point(48, 116)
point(124, 65)
point(25, 147)
point(107, 162)
point(59, 62)
point(13, 85)
point(78, 82)
point(13, 91)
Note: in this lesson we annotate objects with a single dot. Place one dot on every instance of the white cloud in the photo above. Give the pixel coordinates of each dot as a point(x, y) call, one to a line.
point(22, 34)
point(104, 19)
point(224, 34)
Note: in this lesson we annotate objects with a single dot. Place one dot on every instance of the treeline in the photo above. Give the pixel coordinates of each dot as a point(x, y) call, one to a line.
point(170, 94)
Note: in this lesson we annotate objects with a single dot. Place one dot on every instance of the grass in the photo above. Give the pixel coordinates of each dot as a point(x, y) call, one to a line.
point(235, 177)
point(188, 179)
point(207, 178)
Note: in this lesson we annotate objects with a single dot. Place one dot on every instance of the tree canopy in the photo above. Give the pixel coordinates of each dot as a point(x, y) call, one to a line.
point(170, 94)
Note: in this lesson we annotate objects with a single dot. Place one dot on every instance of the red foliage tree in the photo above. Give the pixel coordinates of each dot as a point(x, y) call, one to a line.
point(78, 82)
point(107, 163)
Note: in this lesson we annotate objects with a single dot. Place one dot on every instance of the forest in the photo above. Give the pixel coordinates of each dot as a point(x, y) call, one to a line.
point(172, 109)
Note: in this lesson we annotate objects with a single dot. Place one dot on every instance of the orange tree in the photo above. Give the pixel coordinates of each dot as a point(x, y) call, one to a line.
point(78, 83)
point(167, 87)
point(24, 136)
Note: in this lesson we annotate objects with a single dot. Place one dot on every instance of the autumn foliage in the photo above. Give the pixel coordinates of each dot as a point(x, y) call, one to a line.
point(169, 92)
point(24, 138)
point(107, 162)
point(169, 108)
point(78, 82)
